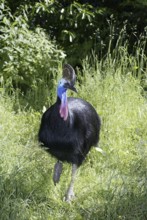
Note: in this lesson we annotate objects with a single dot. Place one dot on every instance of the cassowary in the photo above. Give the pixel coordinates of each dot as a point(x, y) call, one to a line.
point(69, 128)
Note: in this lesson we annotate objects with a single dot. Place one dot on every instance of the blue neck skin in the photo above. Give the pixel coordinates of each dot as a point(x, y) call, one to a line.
point(60, 89)
point(61, 93)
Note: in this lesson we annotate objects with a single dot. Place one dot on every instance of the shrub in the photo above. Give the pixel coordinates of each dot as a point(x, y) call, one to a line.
point(29, 59)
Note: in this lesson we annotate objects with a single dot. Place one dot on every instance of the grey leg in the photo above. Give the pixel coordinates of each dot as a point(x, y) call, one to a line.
point(57, 172)
point(70, 192)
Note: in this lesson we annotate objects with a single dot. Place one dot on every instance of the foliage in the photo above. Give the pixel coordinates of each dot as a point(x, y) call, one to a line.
point(109, 185)
point(80, 26)
point(29, 60)
point(71, 25)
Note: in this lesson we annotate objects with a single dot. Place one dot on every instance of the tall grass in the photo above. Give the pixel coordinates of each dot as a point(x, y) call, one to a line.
point(109, 185)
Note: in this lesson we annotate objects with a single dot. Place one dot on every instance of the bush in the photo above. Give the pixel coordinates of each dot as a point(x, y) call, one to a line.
point(29, 60)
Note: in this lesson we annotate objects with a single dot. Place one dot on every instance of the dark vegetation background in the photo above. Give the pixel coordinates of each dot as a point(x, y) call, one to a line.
point(80, 26)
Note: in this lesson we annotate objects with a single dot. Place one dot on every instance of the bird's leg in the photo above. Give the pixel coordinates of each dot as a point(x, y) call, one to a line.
point(70, 192)
point(57, 172)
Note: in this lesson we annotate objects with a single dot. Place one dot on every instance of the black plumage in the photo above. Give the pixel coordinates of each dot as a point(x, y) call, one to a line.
point(69, 128)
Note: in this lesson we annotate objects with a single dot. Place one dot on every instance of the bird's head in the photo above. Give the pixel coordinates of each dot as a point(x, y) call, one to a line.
point(67, 82)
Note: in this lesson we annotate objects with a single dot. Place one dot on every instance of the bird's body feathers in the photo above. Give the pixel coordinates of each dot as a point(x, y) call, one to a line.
point(70, 140)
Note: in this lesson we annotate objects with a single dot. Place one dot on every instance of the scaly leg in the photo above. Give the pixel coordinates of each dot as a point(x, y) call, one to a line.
point(70, 193)
point(57, 172)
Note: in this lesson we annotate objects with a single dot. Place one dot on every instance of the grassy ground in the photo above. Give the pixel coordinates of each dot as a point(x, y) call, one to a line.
point(109, 185)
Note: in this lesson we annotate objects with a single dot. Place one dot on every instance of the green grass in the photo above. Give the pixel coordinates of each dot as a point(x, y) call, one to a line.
point(109, 186)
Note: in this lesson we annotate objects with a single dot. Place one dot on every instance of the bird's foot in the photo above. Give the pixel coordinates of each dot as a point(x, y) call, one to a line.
point(69, 196)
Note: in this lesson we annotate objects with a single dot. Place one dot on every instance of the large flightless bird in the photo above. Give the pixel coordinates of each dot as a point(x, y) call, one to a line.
point(69, 128)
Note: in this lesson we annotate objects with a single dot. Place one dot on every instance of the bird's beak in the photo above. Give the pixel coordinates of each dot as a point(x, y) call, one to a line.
point(71, 87)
